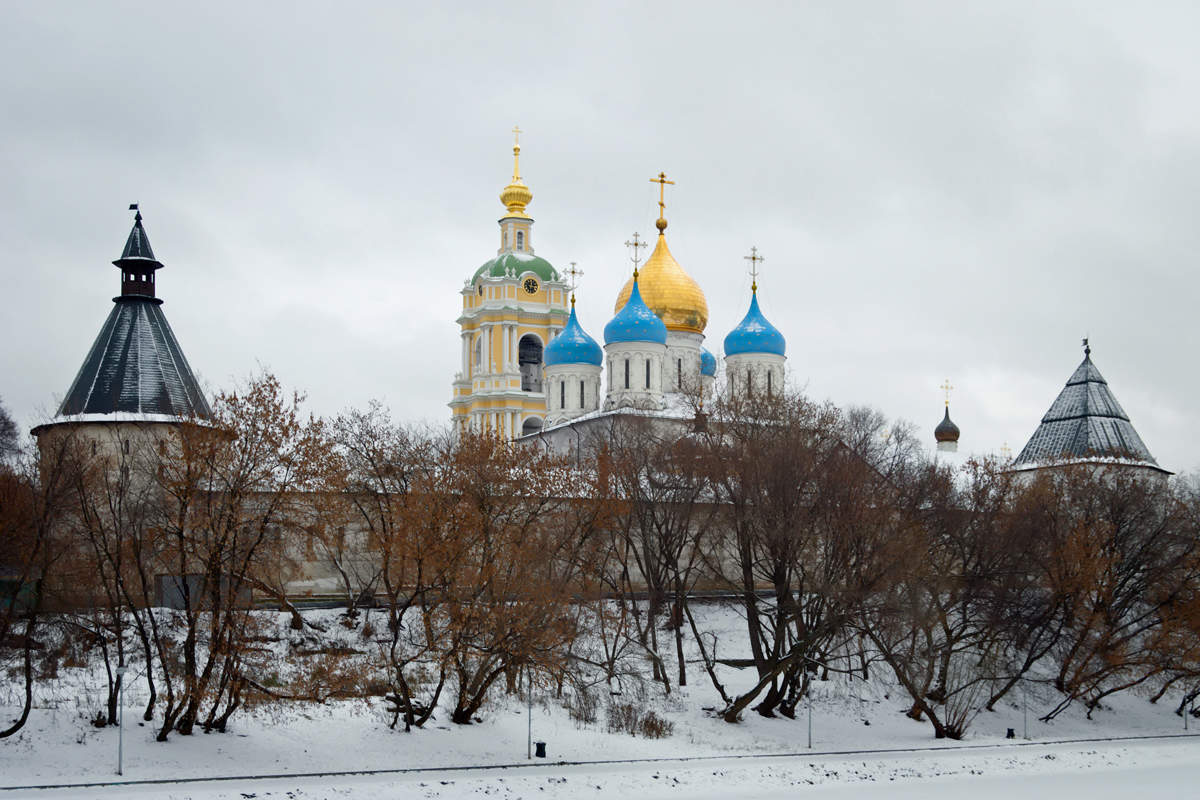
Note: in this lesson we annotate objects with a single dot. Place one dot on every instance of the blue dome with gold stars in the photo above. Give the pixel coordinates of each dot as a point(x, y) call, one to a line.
point(635, 322)
point(754, 334)
point(708, 363)
point(573, 346)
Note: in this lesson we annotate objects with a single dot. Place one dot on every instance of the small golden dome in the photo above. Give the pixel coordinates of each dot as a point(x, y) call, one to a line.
point(669, 291)
point(516, 195)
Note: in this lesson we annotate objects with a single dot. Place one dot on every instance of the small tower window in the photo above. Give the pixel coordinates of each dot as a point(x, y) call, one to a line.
point(768, 383)
point(627, 373)
point(505, 243)
point(126, 446)
point(749, 389)
point(520, 240)
point(562, 394)
point(679, 369)
point(582, 404)
point(647, 373)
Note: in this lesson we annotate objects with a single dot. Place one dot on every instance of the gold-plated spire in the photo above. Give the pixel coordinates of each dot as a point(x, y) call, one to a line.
point(516, 195)
point(661, 180)
point(947, 388)
point(755, 259)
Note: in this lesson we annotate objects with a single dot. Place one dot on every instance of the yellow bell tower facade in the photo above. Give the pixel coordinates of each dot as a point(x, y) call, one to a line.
point(512, 307)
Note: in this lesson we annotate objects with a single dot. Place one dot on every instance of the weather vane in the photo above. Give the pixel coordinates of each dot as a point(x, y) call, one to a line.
point(947, 388)
point(755, 259)
point(1087, 348)
point(634, 244)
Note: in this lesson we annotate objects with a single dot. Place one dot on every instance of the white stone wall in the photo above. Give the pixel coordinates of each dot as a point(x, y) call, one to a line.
point(751, 370)
point(562, 384)
point(636, 394)
point(683, 351)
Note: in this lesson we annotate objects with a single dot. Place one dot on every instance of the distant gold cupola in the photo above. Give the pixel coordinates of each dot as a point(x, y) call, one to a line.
point(663, 284)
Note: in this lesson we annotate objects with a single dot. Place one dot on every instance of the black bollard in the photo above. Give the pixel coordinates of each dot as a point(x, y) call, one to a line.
point(539, 749)
point(1012, 734)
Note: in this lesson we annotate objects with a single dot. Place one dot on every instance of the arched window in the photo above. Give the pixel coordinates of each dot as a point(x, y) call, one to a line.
point(505, 244)
point(768, 383)
point(749, 389)
point(562, 395)
point(520, 240)
point(529, 360)
point(679, 369)
point(627, 373)
point(582, 404)
point(647, 373)
point(478, 349)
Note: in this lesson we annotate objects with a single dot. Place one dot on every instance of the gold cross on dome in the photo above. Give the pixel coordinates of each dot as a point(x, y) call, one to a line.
point(662, 182)
point(947, 388)
point(517, 135)
point(576, 273)
point(634, 244)
point(755, 259)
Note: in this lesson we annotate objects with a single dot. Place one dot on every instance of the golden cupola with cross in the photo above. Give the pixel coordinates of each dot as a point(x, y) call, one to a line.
point(664, 285)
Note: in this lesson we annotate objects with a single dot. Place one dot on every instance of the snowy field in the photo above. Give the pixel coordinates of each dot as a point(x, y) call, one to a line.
point(703, 757)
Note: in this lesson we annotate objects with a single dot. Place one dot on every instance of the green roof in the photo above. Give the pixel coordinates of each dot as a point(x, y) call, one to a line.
point(519, 263)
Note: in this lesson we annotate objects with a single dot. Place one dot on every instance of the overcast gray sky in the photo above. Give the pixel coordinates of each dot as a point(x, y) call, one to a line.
point(953, 189)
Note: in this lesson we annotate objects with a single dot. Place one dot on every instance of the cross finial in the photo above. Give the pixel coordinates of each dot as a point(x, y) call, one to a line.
point(134, 207)
point(576, 273)
point(1005, 452)
point(755, 259)
point(1087, 348)
point(662, 182)
point(634, 244)
point(517, 152)
point(947, 388)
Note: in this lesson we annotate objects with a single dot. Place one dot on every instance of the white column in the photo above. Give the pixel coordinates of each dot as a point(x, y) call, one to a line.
point(504, 348)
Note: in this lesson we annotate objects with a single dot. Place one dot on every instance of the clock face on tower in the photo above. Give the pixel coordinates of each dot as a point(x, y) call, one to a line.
point(531, 285)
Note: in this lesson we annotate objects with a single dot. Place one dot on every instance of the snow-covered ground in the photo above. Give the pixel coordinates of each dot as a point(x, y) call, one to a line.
point(703, 757)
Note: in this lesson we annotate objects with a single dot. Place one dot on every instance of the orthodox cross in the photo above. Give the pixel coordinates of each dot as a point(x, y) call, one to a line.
point(517, 152)
point(947, 388)
point(1005, 452)
point(662, 182)
point(755, 259)
point(634, 244)
point(575, 273)
point(1087, 348)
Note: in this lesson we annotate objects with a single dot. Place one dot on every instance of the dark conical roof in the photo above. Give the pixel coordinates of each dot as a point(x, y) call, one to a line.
point(137, 246)
point(136, 367)
point(1085, 421)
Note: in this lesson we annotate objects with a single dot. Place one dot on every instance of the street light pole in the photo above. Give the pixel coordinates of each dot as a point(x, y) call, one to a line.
point(529, 714)
point(121, 670)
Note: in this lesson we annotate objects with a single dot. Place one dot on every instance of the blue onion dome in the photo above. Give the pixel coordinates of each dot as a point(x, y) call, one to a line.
point(573, 345)
point(754, 334)
point(635, 322)
point(708, 363)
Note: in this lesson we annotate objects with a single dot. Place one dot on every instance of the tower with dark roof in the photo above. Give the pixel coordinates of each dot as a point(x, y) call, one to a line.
point(135, 371)
point(1086, 424)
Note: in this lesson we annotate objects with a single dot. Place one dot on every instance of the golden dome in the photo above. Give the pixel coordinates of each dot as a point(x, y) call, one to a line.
point(669, 291)
point(516, 195)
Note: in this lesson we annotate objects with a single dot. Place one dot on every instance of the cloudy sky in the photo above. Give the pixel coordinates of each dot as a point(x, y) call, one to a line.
point(958, 190)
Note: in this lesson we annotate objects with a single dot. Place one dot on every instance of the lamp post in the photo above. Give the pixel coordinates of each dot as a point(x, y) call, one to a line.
point(121, 670)
point(528, 714)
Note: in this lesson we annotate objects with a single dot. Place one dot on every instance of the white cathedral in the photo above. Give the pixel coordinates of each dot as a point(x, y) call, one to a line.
point(529, 369)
